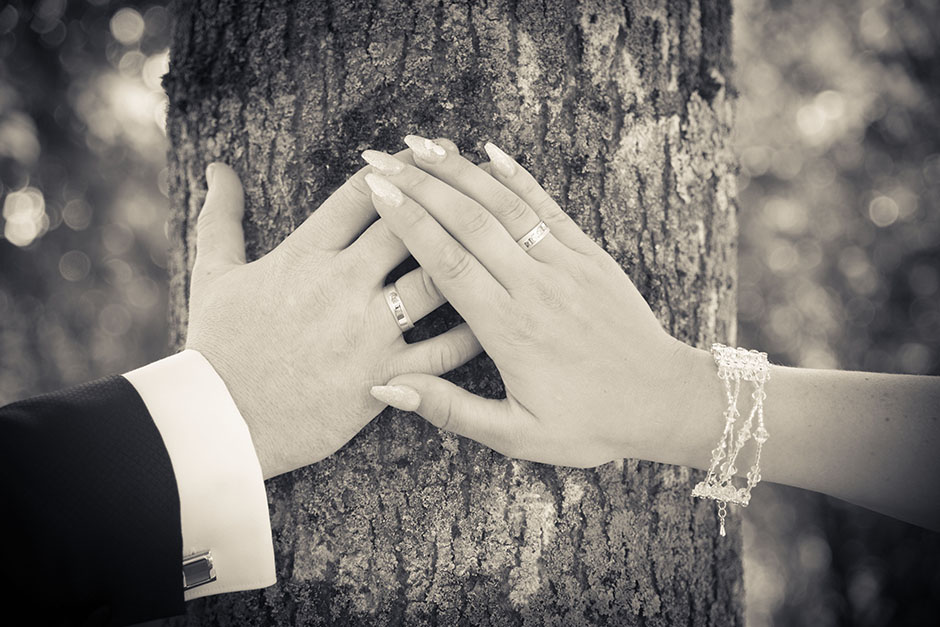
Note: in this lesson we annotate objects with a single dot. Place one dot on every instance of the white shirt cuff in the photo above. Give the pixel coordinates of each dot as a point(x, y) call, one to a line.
point(223, 503)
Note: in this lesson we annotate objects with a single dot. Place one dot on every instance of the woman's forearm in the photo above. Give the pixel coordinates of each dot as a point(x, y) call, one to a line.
point(871, 439)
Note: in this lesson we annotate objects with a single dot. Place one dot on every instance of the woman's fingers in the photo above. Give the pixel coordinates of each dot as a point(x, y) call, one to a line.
point(514, 213)
point(507, 171)
point(459, 276)
point(378, 247)
point(449, 407)
point(464, 218)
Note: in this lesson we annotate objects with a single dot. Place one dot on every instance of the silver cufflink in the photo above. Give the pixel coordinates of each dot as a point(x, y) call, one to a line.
point(198, 570)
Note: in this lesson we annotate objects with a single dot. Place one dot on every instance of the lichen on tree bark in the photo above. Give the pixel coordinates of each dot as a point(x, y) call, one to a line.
point(623, 112)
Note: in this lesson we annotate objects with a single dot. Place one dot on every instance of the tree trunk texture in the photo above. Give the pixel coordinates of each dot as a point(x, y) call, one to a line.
point(623, 112)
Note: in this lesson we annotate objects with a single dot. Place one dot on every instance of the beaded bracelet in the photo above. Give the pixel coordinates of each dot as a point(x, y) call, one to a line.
point(734, 366)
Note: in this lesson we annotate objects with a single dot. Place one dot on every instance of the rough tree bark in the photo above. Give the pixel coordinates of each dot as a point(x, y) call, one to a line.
point(622, 110)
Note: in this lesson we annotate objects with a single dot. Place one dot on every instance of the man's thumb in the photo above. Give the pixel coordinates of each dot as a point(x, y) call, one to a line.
point(220, 240)
point(449, 407)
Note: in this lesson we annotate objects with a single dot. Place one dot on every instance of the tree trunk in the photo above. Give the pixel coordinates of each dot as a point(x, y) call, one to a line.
point(622, 111)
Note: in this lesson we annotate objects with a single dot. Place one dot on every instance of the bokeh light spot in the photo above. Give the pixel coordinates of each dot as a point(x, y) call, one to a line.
point(118, 272)
point(132, 62)
point(117, 238)
point(74, 265)
point(25, 215)
point(814, 553)
point(114, 320)
point(154, 68)
point(782, 257)
point(883, 211)
point(77, 214)
point(127, 26)
point(143, 293)
point(8, 19)
point(785, 215)
point(831, 103)
point(18, 138)
point(811, 120)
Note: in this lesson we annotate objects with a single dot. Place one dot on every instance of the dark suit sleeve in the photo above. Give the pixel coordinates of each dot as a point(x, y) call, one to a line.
point(91, 514)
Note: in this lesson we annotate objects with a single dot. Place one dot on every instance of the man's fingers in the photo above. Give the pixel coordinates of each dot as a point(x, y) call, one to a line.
point(377, 248)
point(454, 409)
point(419, 295)
point(342, 216)
point(220, 240)
point(442, 353)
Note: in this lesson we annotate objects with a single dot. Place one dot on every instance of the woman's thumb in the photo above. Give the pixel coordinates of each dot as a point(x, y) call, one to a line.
point(448, 407)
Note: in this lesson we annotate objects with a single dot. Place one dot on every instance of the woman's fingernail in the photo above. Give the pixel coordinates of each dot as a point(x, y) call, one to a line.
point(425, 149)
point(501, 161)
point(383, 163)
point(209, 173)
point(385, 190)
point(400, 396)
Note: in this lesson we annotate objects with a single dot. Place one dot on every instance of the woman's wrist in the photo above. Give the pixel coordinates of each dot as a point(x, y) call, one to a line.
point(696, 403)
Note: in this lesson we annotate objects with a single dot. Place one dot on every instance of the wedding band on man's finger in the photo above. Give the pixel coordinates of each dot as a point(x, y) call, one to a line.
point(419, 292)
point(397, 307)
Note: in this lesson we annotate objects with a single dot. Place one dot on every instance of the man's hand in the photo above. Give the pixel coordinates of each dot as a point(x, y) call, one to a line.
point(301, 335)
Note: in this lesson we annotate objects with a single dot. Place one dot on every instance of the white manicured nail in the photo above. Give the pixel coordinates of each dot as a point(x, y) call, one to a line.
point(500, 160)
point(400, 396)
point(383, 163)
point(385, 190)
point(425, 149)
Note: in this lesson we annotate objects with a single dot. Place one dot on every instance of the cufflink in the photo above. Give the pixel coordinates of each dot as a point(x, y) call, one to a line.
point(198, 570)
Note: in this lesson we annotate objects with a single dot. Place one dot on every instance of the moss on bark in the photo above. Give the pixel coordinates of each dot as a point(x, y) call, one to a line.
point(622, 110)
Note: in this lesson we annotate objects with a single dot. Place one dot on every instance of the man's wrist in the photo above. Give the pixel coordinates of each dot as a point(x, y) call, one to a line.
point(223, 504)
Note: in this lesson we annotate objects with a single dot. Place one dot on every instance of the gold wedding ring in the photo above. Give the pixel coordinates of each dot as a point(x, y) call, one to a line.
point(393, 299)
point(534, 236)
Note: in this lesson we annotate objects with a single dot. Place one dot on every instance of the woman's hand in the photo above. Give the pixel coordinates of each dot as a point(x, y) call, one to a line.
point(300, 335)
point(590, 375)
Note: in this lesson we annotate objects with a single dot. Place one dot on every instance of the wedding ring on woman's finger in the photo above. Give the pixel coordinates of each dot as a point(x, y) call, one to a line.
point(397, 307)
point(534, 236)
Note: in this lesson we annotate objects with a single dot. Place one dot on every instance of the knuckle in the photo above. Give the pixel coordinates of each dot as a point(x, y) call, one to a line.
point(529, 186)
point(511, 207)
point(550, 211)
point(355, 189)
point(521, 328)
point(430, 289)
point(444, 357)
point(414, 216)
point(206, 221)
point(455, 263)
point(448, 414)
point(475, 221)
point(460, 167)
point(412, 177)
point(550, 293)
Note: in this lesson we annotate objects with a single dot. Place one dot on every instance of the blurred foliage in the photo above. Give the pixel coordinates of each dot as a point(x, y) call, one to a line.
point(82, 279)
point(839, 138)
point(838, 132)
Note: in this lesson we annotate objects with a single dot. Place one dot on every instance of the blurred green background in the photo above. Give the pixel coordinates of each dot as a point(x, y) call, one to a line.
point(839, 190)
